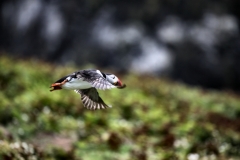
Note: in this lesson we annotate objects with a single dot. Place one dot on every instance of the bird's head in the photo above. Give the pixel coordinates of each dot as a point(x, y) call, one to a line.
point(114, 80)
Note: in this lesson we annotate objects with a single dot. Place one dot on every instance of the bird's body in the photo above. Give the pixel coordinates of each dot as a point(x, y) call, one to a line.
point(86, 83)
point(77, 84)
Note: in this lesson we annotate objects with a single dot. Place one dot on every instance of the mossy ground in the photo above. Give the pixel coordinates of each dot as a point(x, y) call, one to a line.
point(151, 119)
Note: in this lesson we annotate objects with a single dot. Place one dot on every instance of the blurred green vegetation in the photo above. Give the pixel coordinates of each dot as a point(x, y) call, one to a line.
point(151, 119)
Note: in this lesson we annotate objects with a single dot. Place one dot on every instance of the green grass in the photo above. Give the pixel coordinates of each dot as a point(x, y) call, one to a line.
point(150, 119)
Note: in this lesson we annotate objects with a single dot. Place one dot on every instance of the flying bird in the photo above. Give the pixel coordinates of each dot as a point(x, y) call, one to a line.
point(86, 83)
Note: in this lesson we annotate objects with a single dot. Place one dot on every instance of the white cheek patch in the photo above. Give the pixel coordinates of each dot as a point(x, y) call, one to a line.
point(99, 72)
point(115, 80)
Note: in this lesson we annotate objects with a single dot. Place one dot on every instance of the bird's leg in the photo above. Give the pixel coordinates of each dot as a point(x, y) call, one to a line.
point(57, 86)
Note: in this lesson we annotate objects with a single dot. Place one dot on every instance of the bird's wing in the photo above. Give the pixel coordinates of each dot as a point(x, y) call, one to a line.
point(97, 80)
point(91, 99)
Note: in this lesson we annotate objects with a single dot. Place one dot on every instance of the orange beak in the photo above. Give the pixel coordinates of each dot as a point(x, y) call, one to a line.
point(120, 85)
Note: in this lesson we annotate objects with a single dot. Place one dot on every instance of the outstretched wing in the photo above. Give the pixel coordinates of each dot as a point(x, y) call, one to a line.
point(96, 78)
point(91, 99)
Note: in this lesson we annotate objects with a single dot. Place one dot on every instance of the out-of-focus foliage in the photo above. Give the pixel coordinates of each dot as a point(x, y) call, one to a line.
point(151, 119)
point(196, 42)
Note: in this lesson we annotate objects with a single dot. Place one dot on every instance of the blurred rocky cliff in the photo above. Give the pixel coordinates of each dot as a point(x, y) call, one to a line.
point(197, 42)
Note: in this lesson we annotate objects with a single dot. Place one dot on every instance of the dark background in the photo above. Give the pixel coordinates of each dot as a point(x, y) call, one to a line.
point(196, 42)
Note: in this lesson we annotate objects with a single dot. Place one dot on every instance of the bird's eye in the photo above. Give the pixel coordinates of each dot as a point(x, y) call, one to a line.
point(113, 77)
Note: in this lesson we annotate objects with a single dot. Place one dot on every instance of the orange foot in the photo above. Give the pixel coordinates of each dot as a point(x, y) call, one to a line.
point(57, 86)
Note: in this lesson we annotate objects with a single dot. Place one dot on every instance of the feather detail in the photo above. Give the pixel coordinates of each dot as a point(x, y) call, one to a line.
point(91, 99)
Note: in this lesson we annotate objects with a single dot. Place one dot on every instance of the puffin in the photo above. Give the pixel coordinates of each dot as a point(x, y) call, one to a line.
point(86, 82)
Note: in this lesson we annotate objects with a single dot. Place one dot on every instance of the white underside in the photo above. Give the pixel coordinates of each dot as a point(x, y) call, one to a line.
point(76, 84)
